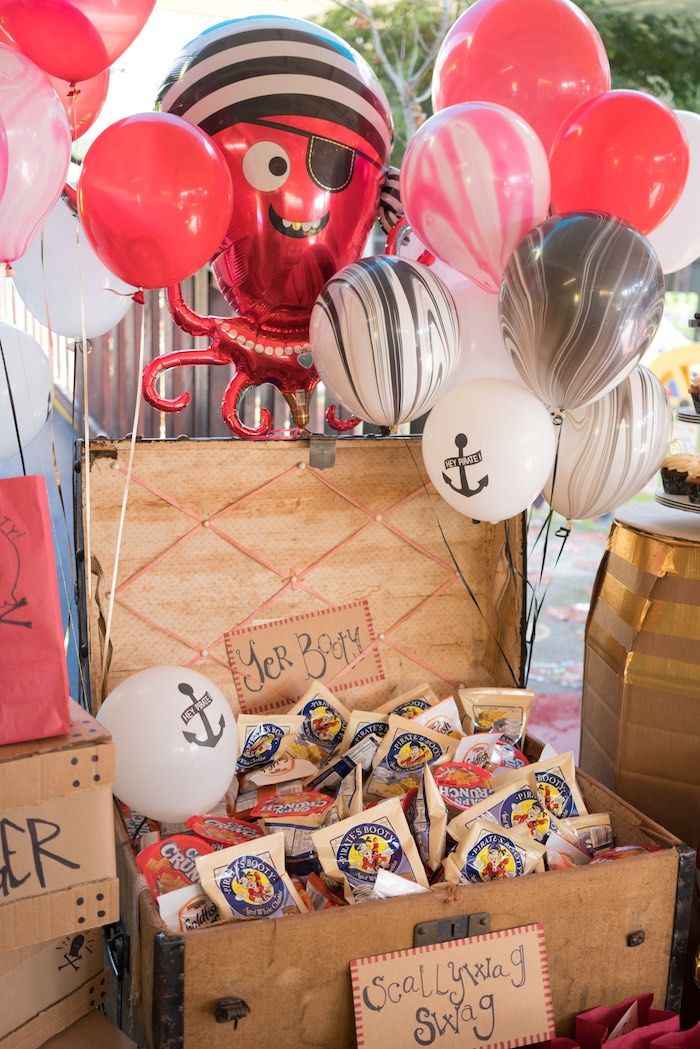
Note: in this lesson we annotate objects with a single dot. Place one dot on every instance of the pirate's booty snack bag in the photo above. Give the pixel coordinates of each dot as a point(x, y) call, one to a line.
point(404, 752)
point(349, 799)
point(502, 710)
point(332, 774)
point(490, 853)
point(554, 782)
point(513, 806)
point(363, 723)
point(325, 719)
point(427, 819)
point(296, 816)
point(265, 739)
point(410, 704)
point(354, 850)
point(250, 881)
point(170, 863)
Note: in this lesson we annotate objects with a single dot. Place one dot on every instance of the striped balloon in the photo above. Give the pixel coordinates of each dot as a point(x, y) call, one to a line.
point(474, 181)
point(610, 449)
point(385, 338)
point(580, 302)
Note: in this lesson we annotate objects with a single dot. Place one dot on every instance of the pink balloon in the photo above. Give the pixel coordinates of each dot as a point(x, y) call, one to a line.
point(4, 159)
point(474, 181)
point(38, 148)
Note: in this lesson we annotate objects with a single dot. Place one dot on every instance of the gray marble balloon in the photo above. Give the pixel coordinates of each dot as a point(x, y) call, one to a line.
point(579, 303)
point(385, 338)
point(611, 448)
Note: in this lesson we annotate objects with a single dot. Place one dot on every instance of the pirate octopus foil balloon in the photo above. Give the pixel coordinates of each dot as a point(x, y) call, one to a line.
point(306, 130)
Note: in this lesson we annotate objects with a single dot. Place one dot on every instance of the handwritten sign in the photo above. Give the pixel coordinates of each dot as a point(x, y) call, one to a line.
point(274, 663)
point(479, 993)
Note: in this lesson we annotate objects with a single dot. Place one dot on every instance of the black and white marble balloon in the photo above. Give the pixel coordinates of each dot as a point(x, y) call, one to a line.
point(580, 301)
point(611, 448)
point(385, 338)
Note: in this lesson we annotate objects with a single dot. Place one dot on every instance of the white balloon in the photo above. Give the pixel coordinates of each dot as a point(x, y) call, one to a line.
point(176, 742)
point(488, 447)
point(677, 240)
point(29, 372)
point(49, 276)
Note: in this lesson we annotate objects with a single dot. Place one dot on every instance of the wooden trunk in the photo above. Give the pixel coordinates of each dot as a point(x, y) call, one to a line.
point(221, 534)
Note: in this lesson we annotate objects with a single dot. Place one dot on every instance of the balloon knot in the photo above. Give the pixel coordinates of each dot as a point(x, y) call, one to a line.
point(9, 271)
point(558, 417)
point(74, 91)
point(139, 297)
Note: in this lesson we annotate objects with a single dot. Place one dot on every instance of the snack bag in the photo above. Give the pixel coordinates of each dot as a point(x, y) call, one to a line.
point(490, 751)
point(251, 796)
point(222, 831)
point(592, 832)
point(427, 818)
point(462, 785)
point(388, 886)
point(554, 782)
point(321, 896)
point(502, 710)
point(402, 755)
point(170, 864)
point(295, 816)
point(362, 723)
point(283, 770)
point(265, 739)
point(410, 704)
point(513, 806)
point(250, 881)
point(563, 854)
point(332, 775)
point(354, 850)
point(443, 717)
point(621, 852)
point(348, 801)
point(488, 853)
point(325, 718)
point(188, 908)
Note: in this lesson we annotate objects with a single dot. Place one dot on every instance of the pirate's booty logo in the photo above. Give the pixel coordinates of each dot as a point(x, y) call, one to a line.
point(555, 794)
point(261, 745)
point(412, 751)
point(460, 462)
point(523, 809)
point(493, 859)
point(252, 887)
point(197, 708)
point(367, 849)
point(323, 723)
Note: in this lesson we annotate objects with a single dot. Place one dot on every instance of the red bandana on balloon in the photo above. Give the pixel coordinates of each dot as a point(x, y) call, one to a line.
point(306, 130)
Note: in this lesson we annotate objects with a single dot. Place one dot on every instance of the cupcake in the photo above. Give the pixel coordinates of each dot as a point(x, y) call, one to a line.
point(692, 485)
point(694, 391)
point(674, 472)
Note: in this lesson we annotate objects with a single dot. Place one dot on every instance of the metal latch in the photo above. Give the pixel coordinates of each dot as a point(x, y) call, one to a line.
point(117, 949)
point(445, 929)
point(321, 452)
point(231, 1010)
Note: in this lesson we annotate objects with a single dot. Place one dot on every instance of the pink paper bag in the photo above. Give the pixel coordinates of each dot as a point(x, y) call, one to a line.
point(633, 1024)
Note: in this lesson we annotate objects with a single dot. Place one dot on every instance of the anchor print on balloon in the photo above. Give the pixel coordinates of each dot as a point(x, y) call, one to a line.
point(197, 708)
point(461, 462)
point(10, 571)
point(306, 130)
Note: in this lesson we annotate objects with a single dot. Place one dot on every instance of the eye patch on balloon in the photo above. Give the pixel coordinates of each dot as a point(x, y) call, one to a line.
point(329, 163)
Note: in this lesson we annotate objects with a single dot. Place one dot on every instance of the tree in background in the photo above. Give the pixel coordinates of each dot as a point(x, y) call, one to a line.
point(657, 53)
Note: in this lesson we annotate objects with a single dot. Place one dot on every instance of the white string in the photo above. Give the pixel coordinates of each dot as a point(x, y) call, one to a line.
point(125, 499)
point(86, 428)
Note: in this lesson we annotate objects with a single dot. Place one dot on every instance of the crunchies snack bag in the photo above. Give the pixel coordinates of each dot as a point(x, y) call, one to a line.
point(410, 704)
point(488, 853)
point(296, 816)
point(502, 710)
point(251, 796)
point(222, 831)
point(462, 785)
point(427, 818)
point(354, 850)
point(554, 782)
point(250, 881)
point(592, 832)
point(363, 723)
point(325, 718)
point(265, 739)
point(513, 806)
point(443, 717)
point(332, 775)
point(403, 753)
point(186, 909)
point(170, 863)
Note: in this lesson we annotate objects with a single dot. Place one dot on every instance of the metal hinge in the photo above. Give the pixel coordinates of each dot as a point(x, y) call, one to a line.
point(321, 452)
point(445, 929)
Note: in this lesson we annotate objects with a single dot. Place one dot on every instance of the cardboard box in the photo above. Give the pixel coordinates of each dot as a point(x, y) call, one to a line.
point(56, 842)
point(641, 690)
point(94, 1031)
point(45, 987)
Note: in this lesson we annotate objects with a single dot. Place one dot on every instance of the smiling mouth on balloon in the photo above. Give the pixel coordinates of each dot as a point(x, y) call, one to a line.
point(297, 229)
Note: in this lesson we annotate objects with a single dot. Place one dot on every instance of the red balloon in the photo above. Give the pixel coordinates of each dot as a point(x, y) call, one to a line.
point(624, 154)
point(540, 58)
point(155, 199)
point(74, 39)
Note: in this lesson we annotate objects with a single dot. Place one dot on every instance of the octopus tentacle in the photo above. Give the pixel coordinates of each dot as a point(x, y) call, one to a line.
point(341, 425)
point(176, 359)
point(186, 318)
point(229, 409)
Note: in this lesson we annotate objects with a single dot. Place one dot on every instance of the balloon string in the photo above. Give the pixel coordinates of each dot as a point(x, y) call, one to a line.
point(86, 425)
point(563, 533)
point(458, 569)
point(13, 408)
point(122, 515)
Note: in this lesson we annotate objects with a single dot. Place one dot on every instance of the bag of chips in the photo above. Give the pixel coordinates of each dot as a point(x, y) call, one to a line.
point(265, 739)
point(295, 816)
point(410, 704)
point(502, 710)
point(563, 854)
point(250, 881)
point(443, 717)
point(363, 723)
point(222, 831)
point(592, 832)
point(513, 806)
point(354, 850)
point(490, 751)
point(388, 886)
point(348, 801)
point(462, 785)
point(251, 796)
point(488, 853)
point(554, 781)
point(322, 897)
point(427, 819)
point(188, 908)
point(325, 718)
point(402, 755)
point(283, 770)
point(170, 863)
point(332, 775)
